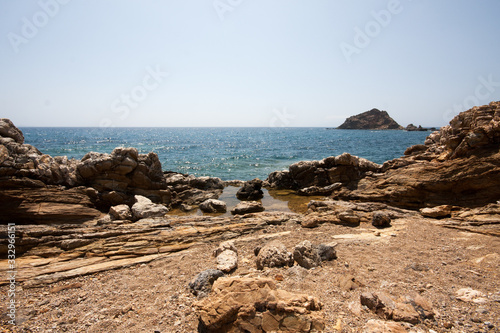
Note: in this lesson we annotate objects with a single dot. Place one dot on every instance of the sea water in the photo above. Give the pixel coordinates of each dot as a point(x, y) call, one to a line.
point(228, 153)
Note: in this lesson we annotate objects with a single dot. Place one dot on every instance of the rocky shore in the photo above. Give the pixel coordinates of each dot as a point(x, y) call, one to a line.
point(408, 246)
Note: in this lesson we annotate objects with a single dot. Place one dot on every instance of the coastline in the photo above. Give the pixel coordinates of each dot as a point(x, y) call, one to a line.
point(98, 230)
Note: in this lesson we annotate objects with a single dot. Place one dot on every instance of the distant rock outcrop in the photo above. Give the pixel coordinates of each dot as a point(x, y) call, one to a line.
point(458, 165)
point(413, 128)
point(371, 120)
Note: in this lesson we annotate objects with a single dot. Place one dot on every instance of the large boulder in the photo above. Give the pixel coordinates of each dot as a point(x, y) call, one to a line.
point(9, 130)
point(247, 207)
point(213, 206)
point(256, 305)
point(251, 190)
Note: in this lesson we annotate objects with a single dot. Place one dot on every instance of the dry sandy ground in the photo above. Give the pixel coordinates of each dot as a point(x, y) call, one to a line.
point(412, 256)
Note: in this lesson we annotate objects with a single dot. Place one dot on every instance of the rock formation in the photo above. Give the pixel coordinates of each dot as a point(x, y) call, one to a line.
point(251, 190)
point(371, 120)
point(256, 305)
point(413, 128)
point(38, 188)
point(458, 165)
point(246, 207)
point(325, 176)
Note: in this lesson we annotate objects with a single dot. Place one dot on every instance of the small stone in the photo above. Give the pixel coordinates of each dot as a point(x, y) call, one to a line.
point(274, 254)
point(447, 324)
point(327, 252)
point(227, 261)
point(310, 221)
point(202, 283)
point(120, 212)
point(436, 212)
point(227, 245)
point(381, 220)
point(251, 190)
point(348, 282)
point(306, 255)
point(186, 208)
point(482, 310)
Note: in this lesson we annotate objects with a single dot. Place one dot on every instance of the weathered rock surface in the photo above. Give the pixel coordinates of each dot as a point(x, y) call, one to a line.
point(246, 207)
point(120, 212)
point(256, 305)
point(325, 176)
point(413, 310)
point(437, 212)
point(28, 201)
point(274, 254)
point(327, 252)
point(349, 213)
point(69, 250)
point(227, 256)
point(373, 119)
point(306, 255)
point(227, 261)
point(201, 285)
point(213, 206)
point(251, 190)
point(144, 208)
point(381, 220)
point(44, 188)
point(381, 326)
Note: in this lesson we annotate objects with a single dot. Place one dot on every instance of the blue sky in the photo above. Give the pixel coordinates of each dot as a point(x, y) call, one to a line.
point(245, 63)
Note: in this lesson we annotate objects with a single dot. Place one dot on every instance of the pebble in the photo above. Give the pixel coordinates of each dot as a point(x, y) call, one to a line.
point(482, 310)
point(490, 325)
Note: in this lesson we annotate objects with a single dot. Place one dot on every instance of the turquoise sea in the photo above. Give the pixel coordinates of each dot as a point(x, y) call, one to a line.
point(228, 153)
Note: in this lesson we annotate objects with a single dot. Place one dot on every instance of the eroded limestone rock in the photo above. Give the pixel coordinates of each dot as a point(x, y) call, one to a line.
point(256, 305)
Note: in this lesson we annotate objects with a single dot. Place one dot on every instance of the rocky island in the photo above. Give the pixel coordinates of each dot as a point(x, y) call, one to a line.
point(411, 245)
point(371, 120)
